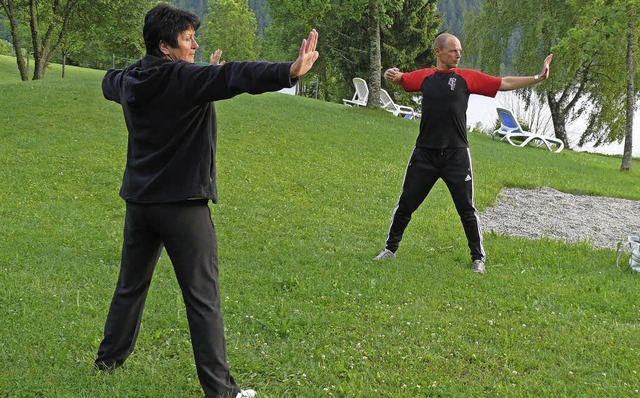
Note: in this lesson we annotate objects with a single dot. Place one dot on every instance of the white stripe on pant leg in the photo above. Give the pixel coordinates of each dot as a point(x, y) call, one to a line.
point(473, 203)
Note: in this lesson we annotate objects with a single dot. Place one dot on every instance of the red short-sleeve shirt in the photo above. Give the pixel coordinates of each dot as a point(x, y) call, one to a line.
point(445, 97)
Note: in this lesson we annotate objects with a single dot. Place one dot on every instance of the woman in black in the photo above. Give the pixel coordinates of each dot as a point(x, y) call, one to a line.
point(169, 178)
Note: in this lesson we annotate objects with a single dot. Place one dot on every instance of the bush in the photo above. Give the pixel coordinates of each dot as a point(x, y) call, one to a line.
point(6, 48)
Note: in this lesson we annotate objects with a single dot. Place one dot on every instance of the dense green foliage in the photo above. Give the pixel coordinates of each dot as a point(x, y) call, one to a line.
point(453, 12)
point(307, 188)
point(102, 34)
point(109, 34)
point(588, 38)
point(92, 33)
point(233, 29)
point(5, 48)
point(407, 30)
point(605, 30)
point(5, 34)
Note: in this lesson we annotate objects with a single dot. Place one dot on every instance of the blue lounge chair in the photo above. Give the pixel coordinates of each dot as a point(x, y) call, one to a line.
point(511, 132)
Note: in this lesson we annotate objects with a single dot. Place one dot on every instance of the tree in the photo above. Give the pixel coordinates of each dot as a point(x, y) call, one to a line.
point(231, 26)
point(350, 45)
point(376, 16)
point(453, 12)
point(70, 43)
point(585, 35)
point(73, 25)
point(289, 22)
point(514, 36)
point(48, 22)
point(12, 12)
point(602, 28)
point(632, 15)
point(102, 29)
point(401, 33)
point(416, 23)
point(56, 23)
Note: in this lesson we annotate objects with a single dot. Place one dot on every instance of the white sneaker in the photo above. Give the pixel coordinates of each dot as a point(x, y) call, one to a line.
point(385, 254)
point(478, 266)
point(246, 394)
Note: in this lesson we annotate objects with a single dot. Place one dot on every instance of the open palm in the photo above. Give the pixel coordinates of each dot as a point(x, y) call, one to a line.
point(307, 55)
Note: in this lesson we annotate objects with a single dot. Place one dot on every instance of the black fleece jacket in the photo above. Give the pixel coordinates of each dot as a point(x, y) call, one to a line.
point(169, 112)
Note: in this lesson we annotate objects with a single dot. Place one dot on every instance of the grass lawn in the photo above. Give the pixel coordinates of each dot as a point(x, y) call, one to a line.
point(306, 193)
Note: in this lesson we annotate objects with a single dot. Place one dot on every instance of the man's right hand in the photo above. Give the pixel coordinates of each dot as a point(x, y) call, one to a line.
point(393, 75)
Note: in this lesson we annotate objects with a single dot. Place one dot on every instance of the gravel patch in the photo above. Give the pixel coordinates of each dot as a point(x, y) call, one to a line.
point(546, 212)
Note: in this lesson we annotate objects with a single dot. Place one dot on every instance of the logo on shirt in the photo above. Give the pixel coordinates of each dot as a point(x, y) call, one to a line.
point(452, 83)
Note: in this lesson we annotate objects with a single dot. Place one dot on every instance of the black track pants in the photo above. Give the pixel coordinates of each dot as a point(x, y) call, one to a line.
point(425, 167)
point(187, 232)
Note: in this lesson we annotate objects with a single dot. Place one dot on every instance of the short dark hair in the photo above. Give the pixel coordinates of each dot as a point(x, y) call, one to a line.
point(442, 39)
point(165, 22)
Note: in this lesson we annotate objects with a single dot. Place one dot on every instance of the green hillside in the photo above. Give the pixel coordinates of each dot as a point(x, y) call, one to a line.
point(306, 193)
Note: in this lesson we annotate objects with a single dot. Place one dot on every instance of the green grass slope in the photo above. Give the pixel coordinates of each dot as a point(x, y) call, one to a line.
point(306, 193)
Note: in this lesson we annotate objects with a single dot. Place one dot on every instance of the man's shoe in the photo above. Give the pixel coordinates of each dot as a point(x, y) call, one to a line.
point(246, 394)
point(384, 255)
point(478, 266)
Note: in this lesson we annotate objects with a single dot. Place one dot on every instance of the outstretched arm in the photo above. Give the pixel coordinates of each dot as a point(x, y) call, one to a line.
point(515, 82)
point(307, 55)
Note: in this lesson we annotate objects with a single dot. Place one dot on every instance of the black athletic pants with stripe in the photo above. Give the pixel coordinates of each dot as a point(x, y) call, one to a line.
point(425, 167)
point(186, 231)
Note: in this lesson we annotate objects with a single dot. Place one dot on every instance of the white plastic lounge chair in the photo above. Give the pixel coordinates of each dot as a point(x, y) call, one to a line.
point(361, 95)
point(390, 106)
point(510, 130)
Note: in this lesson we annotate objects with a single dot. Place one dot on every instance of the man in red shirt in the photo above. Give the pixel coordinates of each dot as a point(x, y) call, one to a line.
point(442, 147)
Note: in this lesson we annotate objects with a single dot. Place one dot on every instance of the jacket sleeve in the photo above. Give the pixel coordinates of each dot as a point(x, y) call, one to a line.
point(111, 87)
point(217, 82)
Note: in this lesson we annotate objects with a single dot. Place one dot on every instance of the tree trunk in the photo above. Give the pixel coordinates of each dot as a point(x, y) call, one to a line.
point(45, 46)
point(628, 136)
point(38, 68)
point(15, 39)
point(558, 118)
point(375, 63)
point(300, 88)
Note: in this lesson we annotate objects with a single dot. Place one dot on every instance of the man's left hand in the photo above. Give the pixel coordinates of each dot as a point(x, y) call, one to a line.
point(544, 75)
